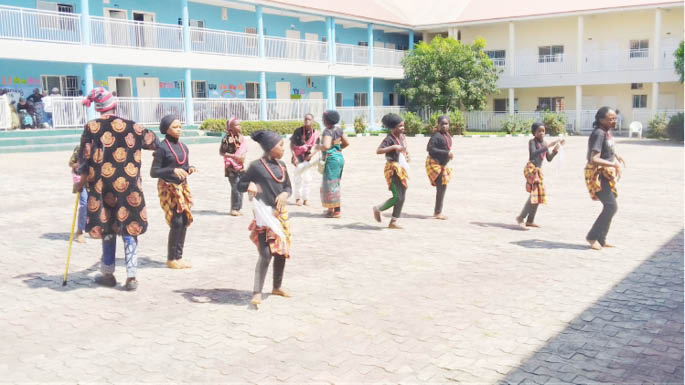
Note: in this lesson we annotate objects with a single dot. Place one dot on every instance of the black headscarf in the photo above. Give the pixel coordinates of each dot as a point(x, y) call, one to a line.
point(332, 117)
point(391, 121)
point(266, 139)
point(165, 123)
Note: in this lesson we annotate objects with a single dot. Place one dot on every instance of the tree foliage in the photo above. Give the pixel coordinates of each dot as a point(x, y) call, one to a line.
point(678, 63)
point(446, 75)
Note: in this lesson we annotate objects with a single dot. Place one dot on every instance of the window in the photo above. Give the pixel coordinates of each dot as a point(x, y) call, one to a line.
point(551, 54)
point(636, 86)
point(361, 99)
point(195, 35)
point(67, 85)
point(639, 48)
point(338, 99)
point(502, 105)
point(639, 101)
point(199, 89)
point(555, 104)
point(363, 43)
point(497, 57)
point(252, 90)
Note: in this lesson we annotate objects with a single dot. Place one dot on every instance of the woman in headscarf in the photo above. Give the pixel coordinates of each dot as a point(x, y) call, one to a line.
point(267, 180)
point(172, 166)
point(538, 150)
point(333, 140)
point(233, 149)
point(109, 162)
point(602, 171)
point(394, 146)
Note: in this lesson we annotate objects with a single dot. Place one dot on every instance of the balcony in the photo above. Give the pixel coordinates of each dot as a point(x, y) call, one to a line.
point(37, 25)
point(385, 57)
point(618, 60)
point(279, 109)
point(295, 49)
point(216, 42)
point(526, 65)
point(352, 54)
point(111, 32)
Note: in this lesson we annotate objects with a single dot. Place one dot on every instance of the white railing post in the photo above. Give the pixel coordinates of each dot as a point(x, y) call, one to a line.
point(21, 20)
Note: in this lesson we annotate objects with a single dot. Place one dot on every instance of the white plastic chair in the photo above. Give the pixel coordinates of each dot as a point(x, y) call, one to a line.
point(635, 127)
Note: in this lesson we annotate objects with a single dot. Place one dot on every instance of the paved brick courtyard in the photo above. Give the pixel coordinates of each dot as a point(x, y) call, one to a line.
point(470, 300)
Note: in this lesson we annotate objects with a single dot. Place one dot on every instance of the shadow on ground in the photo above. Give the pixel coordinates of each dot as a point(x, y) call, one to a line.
point(541, 244)
point(356, 226)
point(505, 226)
point(80, 279)
point(632, 334)
point(219, 296)
point(210, 212)
point(650, 142)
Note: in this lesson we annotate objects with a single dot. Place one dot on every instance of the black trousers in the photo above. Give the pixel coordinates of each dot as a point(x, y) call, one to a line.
point(440, 190)
point(263, 266)
point(177, 236)
point(399, 193)
point(236, 196)
point(529, 211)
point(600, 228)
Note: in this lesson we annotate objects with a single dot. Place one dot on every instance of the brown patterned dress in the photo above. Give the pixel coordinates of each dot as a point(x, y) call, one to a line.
point(110, 156)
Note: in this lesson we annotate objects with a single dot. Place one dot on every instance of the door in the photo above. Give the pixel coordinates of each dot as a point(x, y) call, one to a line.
point(147, 87)
point(116, 32)
point(292, 47)
point(377, 98)
point(123, 88)
point(282, 90)
point(667, 102)
point(252, 90)
point(392, 98)
point(149, 109)
point(144, 31)
point(314, 52)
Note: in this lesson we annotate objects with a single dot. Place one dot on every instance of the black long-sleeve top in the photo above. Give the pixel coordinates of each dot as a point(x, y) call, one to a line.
point(537, 151)
point(439, 147)
point(270, 188)
point(165, 162)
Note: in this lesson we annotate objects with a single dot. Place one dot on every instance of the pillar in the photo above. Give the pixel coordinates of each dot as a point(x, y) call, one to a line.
point(85, 23)
point(329, 37)
point(370, 100)
point(188, 97)
point(656, 40)
point(579, 45)
point(411, 40)
point(655, 98)
point(262, 96)
point(333, 106)
point(260, 30)
point(185, 20)
point(511, 101)
point(88, 77)
point(511, 55)
point(333, 49)
point(369, 38)
point(579, 108)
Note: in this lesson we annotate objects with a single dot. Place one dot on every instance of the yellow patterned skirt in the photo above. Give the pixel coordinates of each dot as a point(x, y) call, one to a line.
point(394, 168)
point(534, 184)
point(175, 198)
point(594, 185)
point(277, 246)
point(434, 169)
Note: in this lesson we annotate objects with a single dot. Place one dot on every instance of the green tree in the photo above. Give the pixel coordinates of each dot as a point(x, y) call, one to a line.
point(446, 75)
point(678, 63)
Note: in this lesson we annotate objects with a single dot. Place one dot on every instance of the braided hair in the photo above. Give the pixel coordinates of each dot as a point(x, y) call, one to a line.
point(601, 114)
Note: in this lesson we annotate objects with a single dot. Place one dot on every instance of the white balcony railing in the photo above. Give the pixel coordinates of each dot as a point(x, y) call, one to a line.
point(295, 49)
point(544, 64)
point(135, 34)
point(217, 42)
point(617, 60)
point(243, 109)
point(5, 113)
point(385, 57)
point(68, 112)
point(150, 110)
point(380, 111)
point(349, 114)
point(351, 54)
point(287, 109)
point(39, 25)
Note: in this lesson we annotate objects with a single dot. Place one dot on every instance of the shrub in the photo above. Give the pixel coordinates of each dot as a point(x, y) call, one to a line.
point(515, 124)
point(359, 125)
point(343, 126)
point(283, 127)
point(457, 123)
point(412, 123)
point(555, 123)
point(657, 127)
point(675, 127)
point(431, 125)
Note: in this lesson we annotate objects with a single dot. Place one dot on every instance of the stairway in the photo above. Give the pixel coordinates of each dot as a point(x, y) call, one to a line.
point(44, 140)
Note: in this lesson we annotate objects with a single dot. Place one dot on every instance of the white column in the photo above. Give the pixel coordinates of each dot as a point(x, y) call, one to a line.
point(656, 40)
point(425, 37)
point(510, 54)
point(579, 45)
point(655, 98)
point(579, 108)
point(511, 101)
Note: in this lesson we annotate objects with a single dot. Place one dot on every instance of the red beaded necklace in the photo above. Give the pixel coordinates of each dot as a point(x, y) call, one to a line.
point(268, 169)
point(185, 155)
point(394, 139)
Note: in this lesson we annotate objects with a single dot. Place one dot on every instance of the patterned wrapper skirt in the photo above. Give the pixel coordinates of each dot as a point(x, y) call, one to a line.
point(330, 186)
point(277, 245)
point(594, 185)
point(534, 184)
point(394, 168)
point(434, 169)
point(175, 198)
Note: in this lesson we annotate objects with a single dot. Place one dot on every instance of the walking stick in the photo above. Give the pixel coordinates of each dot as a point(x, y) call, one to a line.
point(71, 239)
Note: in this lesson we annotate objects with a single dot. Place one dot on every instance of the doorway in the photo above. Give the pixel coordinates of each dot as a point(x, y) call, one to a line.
point(116, 32)
point(147, 87)
point(122, 86)
point(144, 31)
point(252, 90)
point(282, 90)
